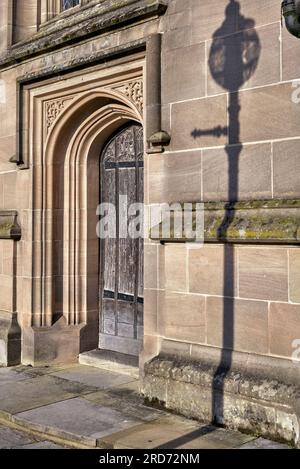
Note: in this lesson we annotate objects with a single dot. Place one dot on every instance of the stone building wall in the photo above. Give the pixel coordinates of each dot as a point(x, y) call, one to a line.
point(264, 165)
point(229, 95)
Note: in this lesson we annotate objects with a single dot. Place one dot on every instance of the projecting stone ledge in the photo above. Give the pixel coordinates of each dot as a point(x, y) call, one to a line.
point(9, 227)
point(89, 21)
point(261, 222)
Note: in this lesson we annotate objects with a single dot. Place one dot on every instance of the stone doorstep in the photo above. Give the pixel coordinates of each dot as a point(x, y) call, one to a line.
point(111, 361)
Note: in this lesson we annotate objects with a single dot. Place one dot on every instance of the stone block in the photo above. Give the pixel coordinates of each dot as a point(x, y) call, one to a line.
point(57, 344)
point(263, 273)
point(230, 175)
point(192, 119)
point(267, 50)
point(182, 317)
point(176, 257)
point(276, 101)
point(239, 325)
point(212, 270)
point(294, 275)
point(175, 177)
point(286, 164)
point(150, 311)
point(284, 330)
point(150, 259)
point(178, 83)
point(290, 66)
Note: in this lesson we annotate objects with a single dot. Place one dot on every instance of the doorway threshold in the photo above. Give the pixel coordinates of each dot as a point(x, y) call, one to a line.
point(111, 361)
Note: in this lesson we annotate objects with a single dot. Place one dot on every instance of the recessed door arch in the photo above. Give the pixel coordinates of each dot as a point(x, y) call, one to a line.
point(121, 256)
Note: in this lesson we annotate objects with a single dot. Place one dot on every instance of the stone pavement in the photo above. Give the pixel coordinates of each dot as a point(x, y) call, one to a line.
point(81, 406)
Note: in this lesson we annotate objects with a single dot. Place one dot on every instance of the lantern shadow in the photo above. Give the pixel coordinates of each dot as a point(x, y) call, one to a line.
point(233, 59)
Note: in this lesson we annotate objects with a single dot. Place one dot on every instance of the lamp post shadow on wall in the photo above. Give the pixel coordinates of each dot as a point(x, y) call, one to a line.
point(233, 59)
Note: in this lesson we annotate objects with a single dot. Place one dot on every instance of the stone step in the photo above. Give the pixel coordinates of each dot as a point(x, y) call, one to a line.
point(111, 361)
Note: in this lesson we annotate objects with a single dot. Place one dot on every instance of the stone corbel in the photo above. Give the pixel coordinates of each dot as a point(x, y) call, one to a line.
point(9, 227)
point(257, 222)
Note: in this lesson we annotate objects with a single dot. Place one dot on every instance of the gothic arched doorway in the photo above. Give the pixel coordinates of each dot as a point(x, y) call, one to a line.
point(122, 249)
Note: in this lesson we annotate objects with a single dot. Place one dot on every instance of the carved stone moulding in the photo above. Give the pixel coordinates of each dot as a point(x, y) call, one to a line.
point(96, 19)
point(261, 222)
point(134, 90)
point(52, 110)
point(9, 227)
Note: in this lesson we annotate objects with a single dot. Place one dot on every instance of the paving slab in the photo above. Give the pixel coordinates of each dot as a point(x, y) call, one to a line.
point(10, 438)
point(261, 443)
point(174, 432)
point(77, 419)
point(98, 408)
point(37, 392)
point(8, 375)
point(93, 377)
point(128, 407)
point(41, 445)
point(211, 437)
point(36, 371)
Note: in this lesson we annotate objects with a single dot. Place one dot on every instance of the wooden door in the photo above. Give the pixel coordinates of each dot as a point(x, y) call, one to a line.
point(121, 263)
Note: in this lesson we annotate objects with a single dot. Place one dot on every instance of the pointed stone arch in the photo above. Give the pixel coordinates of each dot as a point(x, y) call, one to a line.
point(66, 295)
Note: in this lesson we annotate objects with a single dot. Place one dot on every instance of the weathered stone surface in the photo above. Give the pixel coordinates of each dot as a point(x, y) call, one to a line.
point(99, 19)
point(268, 67)
point(41, 445)
point(113, 418)
point(175, 264)
point(238, 397)
point(80, 52)
point(209, 268)
point(261, 443)
point(182, 316)
point(171, 174)
point(10, 339)
point(9, 375)
point(257, 221)
point(92, 421)
point(57, 344)
point(9, 227)
point(177, 81)
point(112, 361)
point(263, 273)
point(286, 168)
point(202, 114)
point(10, 438)
point(294, 271)
point(285, 330)
point(91, 377)
point(175, 432)
point(32, 393)
point(249, 170)
point(238, 324)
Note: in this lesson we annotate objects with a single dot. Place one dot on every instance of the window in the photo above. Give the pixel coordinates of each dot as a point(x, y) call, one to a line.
point(66, 4)
point(50, 9)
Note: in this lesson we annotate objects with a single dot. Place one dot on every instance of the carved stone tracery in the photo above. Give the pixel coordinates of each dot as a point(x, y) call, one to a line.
point(52, 110)
point(134, 91)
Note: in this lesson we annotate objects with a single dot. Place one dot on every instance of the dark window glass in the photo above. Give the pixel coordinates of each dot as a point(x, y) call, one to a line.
point(66, 4)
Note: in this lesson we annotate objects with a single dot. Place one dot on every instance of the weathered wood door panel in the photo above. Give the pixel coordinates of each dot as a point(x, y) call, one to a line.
point(121, 263)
